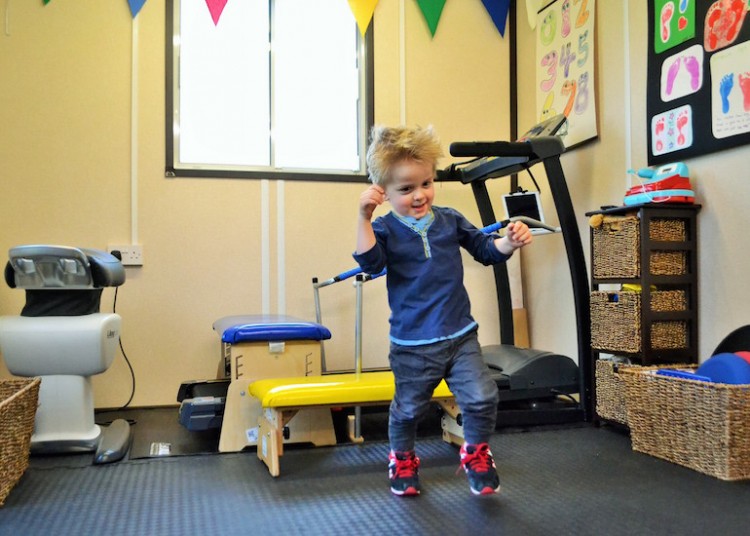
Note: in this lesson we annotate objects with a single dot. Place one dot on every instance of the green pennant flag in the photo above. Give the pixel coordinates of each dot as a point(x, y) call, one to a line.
point(432, 9)
point(46, 2)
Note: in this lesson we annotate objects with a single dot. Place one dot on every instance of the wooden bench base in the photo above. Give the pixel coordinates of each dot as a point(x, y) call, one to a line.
point(273, 420)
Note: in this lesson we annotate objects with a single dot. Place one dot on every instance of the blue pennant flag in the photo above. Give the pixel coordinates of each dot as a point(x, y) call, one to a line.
point(135, 6)
point(498, 10)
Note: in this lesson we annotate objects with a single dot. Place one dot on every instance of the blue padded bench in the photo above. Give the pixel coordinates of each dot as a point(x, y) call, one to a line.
point(256, 347)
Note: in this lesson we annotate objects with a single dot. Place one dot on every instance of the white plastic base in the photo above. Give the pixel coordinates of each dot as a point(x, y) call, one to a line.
point(65, 417)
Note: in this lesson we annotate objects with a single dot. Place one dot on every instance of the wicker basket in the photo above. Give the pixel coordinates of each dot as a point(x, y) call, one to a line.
point(611, 399)
point(668, 263)
point(616, 321)
point(667, 230)
point(610, 392)
point(701, 425)
point(18, 402)
point(616, 247)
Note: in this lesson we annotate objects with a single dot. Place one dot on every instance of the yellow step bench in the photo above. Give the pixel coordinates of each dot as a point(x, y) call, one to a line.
point(282, 398)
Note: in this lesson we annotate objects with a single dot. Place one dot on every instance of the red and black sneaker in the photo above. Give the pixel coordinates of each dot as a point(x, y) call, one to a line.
point(403, 470)
point(480, 468)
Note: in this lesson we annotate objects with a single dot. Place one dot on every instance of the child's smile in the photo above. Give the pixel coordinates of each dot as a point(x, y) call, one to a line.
point(410, 190)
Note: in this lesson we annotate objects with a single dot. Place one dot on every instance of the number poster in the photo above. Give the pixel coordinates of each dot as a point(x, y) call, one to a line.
point(565, 67)
point(698, 95)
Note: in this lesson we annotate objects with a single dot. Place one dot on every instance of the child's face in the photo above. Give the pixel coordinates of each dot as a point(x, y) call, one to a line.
point(410, 189)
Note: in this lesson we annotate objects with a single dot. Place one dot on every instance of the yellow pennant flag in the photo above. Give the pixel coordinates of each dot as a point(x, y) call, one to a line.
point(363, 10)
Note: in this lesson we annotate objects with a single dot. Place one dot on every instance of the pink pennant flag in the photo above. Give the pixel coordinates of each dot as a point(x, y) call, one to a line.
point(216, 7)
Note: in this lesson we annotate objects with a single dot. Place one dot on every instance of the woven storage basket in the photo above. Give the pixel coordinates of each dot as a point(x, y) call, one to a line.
point(611, 399)
point(701, 425)
point(615, 245)
point(610, 392)
point(667, 230)
point(616, 321)
point(18, 402)
point(668, 263)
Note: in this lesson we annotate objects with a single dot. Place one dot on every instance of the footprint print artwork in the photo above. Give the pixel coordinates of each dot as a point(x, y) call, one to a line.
point(682, 121)
point(667, 11)
point(658, 129)
point(684, 5)
point(725, 88)
point(744, 80)
point(672, 74)
point(694, 69)
point(723, 23)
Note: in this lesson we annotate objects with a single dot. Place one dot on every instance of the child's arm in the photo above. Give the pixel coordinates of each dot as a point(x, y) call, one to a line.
point(368, 202)
point(516, 236)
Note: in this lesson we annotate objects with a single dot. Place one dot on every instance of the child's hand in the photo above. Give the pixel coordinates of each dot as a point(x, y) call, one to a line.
point(370, 200)
point(518, 235)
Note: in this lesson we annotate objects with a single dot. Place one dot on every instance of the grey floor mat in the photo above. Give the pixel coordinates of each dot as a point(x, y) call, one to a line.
point(566, 481)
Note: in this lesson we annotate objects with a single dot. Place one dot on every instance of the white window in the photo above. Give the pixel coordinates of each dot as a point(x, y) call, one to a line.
point(278, 89)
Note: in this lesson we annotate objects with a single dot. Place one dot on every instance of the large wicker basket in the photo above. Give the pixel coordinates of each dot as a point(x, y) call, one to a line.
point(616, 321)
point(611, 399)
point(616, 247)
point(701, 425)
point(18, 402)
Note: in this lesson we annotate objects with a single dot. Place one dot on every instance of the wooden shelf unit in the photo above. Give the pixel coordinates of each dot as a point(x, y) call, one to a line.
point(686, 282)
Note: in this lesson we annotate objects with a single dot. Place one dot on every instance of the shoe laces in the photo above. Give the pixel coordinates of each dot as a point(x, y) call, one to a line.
point(405, 466)
point(479, 461)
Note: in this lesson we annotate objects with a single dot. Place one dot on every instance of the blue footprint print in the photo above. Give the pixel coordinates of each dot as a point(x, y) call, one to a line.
point(725, 88)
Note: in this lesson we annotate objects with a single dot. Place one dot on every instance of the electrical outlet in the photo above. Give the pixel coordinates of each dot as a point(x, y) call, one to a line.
point(132, 254)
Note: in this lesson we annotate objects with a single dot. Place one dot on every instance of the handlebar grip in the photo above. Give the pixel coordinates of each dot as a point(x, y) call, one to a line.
point(348, 274)
point(490, 148)
point(494, 227)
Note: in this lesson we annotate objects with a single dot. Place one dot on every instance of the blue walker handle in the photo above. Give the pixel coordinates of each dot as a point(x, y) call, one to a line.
point(347, 274)
point(494, 227)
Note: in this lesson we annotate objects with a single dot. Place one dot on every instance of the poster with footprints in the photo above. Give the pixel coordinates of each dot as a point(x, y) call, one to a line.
point(565, 67)
point(699, 53)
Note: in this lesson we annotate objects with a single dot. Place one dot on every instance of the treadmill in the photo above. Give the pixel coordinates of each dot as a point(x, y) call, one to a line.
point(531, 381)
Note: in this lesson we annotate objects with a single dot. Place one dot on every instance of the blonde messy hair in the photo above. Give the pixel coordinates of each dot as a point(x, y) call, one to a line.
point(390, 145)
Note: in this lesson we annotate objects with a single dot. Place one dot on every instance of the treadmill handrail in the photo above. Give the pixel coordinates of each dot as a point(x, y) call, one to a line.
point(491, 148)
point(535, 148)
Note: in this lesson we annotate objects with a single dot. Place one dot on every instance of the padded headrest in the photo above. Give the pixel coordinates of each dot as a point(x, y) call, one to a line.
point(56, 267)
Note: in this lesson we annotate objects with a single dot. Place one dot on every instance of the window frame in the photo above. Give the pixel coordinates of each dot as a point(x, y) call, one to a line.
point(207, 171)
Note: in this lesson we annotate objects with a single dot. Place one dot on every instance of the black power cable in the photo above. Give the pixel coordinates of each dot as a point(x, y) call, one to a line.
point(130, 366)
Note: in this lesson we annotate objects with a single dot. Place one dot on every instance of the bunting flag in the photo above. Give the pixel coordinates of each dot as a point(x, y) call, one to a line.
point(432, 9)
point(363, 10)
point(216, 7)
point(498, 10)
point(135, 6)
point(46, 2)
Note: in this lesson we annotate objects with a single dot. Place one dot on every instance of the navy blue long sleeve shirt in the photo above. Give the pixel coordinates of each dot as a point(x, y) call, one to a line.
point(426, 293)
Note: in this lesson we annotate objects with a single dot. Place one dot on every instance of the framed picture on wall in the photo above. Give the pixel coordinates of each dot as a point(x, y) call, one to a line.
point(698, 95)
point(565, 67)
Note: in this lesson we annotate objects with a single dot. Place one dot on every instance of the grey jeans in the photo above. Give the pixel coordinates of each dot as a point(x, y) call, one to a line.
point(419, 369)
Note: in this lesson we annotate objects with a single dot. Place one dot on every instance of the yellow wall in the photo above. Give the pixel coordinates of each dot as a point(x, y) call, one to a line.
point(65, 153)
